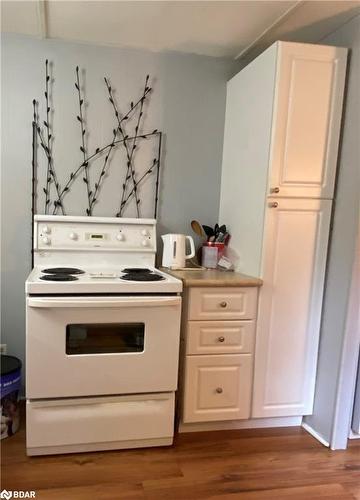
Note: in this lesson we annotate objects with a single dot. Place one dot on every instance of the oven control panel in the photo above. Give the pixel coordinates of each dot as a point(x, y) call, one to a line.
point(87, 233)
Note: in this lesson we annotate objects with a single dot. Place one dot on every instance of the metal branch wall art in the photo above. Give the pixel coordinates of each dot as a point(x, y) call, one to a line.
point(133, 177)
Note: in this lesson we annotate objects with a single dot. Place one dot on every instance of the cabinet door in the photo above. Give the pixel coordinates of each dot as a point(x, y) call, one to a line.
point(307, 119)
point(217, 387)
point(294, 259)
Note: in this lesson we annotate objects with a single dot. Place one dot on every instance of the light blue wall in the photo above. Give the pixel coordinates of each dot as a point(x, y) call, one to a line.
point(343, 239)
point(188, 105)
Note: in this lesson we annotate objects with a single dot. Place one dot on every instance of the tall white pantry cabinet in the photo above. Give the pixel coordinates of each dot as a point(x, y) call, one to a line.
point(282, 127)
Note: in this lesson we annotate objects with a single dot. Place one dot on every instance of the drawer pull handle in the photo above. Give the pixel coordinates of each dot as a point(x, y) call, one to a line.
point(221, 339)
point(273, 204)
point(219, 390)
point(223, 304)
point(275, 190)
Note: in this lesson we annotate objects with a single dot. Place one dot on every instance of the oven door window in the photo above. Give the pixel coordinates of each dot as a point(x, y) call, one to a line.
point(105, 338)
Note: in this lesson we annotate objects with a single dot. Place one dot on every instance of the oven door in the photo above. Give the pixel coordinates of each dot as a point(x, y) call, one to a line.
point(81, 346)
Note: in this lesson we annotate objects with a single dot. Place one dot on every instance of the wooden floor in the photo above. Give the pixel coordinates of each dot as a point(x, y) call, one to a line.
point(249, 464)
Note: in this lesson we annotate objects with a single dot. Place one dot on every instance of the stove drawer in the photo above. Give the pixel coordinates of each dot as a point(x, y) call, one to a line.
point(85, 424)
point(222, 303)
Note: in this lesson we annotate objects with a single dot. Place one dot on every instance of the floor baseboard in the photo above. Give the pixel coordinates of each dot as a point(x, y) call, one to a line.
point(315, 434)
point(254, 423)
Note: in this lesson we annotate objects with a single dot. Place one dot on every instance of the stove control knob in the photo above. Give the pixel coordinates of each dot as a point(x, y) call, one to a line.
point(120, 237)
point(145, 232)
point(73, 236)
point(46, 240)
point(145, 243)
point(46, 230)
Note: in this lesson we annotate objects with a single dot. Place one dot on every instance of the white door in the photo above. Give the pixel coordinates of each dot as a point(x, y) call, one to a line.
point(294, 259)
point(307, 119)
point(87, 346)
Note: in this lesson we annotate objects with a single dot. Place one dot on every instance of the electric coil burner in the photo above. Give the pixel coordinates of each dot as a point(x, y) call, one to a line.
point(61, 274)
point(105, 324)
point(142, 277)
point(58, 277)
point(140, 274)
point(63, 270)
point(133, 270)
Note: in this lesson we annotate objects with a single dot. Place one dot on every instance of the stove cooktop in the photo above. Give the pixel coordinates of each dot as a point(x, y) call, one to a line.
point(128, 274)
point(72, 280)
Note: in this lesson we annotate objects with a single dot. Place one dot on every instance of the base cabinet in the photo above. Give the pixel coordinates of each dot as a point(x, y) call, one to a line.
point(218, 353)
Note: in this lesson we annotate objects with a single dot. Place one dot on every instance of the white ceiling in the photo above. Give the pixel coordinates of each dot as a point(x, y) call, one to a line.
point(214, 28)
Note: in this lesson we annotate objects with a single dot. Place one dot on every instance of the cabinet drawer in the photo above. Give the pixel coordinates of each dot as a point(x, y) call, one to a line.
point(222, 303)
point(220, 337)
point(217, 387)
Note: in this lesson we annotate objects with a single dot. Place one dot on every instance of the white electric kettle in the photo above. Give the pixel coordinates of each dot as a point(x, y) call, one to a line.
point(174, 251)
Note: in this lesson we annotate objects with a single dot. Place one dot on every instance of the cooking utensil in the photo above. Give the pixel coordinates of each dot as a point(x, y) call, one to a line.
point(208, 230)
point(197, 228)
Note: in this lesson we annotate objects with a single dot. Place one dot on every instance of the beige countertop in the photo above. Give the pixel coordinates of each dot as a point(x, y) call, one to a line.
point(213, 277)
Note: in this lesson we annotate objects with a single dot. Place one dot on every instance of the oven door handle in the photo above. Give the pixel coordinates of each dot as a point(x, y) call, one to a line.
point(56, 302)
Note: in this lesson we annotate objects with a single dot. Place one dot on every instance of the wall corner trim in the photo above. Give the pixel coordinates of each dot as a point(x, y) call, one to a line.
point(315, 434)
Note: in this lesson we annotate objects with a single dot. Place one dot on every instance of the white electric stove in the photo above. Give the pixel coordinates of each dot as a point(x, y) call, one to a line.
point(102, 337)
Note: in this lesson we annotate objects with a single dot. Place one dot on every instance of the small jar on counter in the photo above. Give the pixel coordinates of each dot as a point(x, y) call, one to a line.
point(212, 252)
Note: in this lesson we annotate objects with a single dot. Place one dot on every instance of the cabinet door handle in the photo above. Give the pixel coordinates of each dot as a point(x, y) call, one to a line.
point(223, 304)
point(221, 339)
point(219, 390)
point(273, 204)
point(275, 190)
